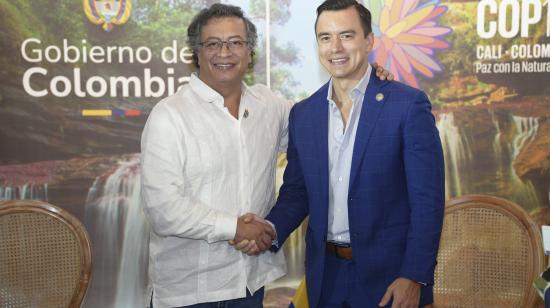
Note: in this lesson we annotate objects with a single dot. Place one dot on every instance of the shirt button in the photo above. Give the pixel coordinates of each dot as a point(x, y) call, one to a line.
point(340, 179)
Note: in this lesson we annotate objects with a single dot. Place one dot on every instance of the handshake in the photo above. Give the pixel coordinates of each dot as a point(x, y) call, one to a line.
point(254, 235)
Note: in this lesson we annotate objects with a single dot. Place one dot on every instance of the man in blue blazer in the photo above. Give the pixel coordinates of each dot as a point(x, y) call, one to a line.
point(365, 163)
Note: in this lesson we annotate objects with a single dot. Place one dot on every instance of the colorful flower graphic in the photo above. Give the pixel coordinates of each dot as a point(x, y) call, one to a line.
point(406, 37)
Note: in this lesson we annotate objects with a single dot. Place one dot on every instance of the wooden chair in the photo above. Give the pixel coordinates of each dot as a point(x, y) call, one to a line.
point(45, 256)
point(490, 253)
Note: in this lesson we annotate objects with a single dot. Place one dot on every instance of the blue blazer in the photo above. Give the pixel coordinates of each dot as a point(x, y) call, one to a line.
point(396, 192)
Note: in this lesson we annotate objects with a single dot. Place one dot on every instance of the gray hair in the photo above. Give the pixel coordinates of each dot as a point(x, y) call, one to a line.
point(218, 10)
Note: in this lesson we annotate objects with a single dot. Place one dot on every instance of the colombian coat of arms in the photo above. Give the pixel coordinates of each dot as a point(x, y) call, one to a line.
point(107, 13)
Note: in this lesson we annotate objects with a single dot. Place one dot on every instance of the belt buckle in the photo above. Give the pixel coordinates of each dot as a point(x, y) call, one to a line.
point(337, 249)
point(342, 245)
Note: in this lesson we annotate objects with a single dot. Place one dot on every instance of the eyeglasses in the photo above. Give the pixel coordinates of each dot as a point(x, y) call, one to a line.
point(214, 45)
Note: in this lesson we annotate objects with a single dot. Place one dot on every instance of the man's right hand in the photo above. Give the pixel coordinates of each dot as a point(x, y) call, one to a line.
point(253, 235)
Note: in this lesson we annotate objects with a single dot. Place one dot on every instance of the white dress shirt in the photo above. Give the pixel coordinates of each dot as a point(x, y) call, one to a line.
point(341, 140)
point(201, 169)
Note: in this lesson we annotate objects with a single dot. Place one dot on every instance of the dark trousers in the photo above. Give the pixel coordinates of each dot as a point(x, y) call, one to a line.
point(341, 287)
point(250, 301)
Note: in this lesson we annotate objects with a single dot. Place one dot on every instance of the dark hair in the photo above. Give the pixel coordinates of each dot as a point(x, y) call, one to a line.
point(218, 10)
point(337, 5)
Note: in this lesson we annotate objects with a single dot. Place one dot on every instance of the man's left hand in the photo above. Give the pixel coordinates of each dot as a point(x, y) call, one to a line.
point(381, 72)
point(405, 294)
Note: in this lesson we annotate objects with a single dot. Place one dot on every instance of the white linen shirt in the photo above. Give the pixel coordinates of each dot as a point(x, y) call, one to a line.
point(201, 170)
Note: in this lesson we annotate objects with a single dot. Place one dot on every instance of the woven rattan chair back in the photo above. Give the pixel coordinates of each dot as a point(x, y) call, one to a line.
point(490, 252)
point(45, 256)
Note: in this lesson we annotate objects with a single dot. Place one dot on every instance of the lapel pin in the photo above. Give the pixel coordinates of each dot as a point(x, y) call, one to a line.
point(379, 97)
point(245, 115)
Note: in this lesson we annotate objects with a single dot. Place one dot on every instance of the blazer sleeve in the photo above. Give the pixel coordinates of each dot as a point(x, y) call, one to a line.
point(292, 204)
point(424, 171)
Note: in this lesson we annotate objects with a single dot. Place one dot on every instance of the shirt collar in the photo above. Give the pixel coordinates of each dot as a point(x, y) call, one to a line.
point(360, 87)
point(207, 94)
point(204, 91)
point(250, 91)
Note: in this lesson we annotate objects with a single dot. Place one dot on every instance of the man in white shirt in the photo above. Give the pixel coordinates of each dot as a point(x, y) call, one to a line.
point(208, 156)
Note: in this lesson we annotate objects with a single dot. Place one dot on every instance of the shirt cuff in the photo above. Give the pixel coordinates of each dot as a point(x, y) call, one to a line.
point(421, 283)
point(225, 228)
point(274, 242)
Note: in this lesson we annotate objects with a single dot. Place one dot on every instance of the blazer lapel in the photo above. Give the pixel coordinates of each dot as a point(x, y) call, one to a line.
point(320, 125)
point(373, 103)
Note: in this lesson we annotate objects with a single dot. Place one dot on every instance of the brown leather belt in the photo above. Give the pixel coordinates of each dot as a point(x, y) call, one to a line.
point(341, 252)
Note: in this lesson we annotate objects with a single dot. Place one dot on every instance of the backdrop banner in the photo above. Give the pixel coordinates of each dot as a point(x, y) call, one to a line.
point(79, 78)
